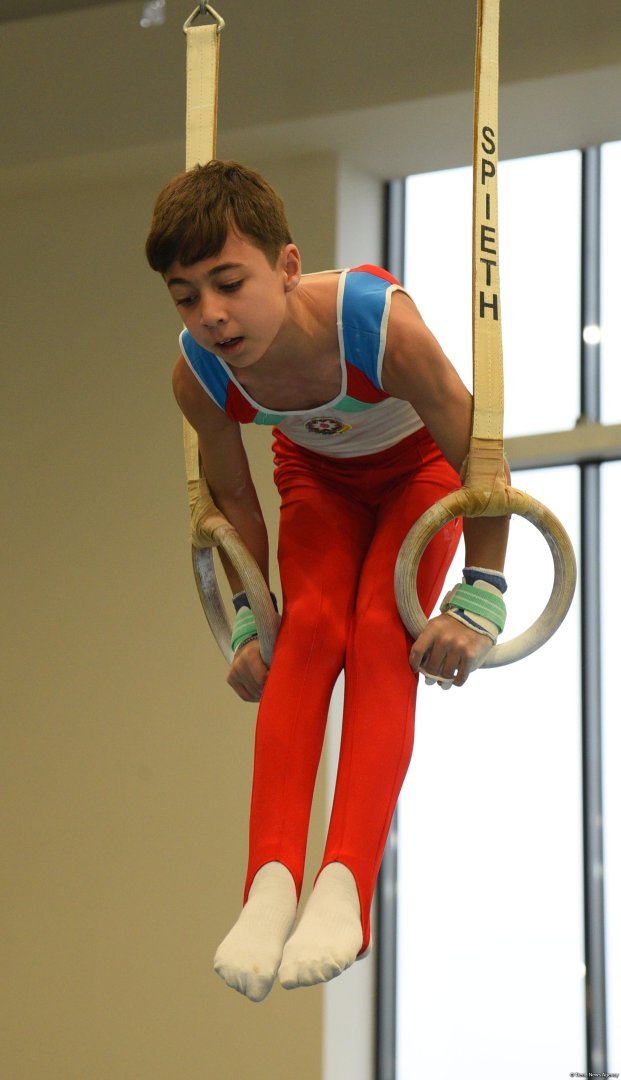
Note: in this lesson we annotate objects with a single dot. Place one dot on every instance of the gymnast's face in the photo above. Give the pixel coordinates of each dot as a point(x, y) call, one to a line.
point(235, 303)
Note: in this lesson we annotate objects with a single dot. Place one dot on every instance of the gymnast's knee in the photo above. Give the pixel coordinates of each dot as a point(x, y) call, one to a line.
point(315, 625)
point(377, 619)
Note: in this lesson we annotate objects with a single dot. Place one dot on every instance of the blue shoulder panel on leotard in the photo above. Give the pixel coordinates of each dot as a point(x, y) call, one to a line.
point(206, 367)
point(364, 304)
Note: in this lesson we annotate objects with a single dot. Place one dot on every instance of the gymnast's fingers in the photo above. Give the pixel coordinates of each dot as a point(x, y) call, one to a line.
point(247, 673)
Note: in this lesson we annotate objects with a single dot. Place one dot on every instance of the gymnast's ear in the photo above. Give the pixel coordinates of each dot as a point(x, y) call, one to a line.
point(291, 263)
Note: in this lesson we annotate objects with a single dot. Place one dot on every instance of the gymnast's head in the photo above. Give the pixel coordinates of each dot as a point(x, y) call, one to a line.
point(196, 210)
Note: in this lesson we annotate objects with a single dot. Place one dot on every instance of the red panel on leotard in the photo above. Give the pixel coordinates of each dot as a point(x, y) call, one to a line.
point(377, 271)
point(237, 406)
point(359, 386)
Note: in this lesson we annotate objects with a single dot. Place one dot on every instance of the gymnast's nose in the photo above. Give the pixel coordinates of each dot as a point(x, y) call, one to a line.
point(212, 312)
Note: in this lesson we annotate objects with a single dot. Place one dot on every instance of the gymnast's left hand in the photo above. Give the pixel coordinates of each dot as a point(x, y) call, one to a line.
point(447, 652)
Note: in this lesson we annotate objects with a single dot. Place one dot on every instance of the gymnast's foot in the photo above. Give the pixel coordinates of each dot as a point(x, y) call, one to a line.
point(250, 954)
point(329, 935)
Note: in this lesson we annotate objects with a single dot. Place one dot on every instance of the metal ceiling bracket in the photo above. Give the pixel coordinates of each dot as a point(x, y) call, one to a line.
point(204, 9)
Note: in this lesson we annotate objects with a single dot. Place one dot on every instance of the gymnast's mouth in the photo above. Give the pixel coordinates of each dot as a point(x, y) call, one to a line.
point(229, 344)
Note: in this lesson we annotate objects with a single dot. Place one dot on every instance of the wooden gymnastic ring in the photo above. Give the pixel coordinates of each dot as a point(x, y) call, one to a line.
point(468, 502)
point(221, 534)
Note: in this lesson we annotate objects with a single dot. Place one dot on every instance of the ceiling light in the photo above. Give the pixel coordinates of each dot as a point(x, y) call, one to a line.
point(153, 13)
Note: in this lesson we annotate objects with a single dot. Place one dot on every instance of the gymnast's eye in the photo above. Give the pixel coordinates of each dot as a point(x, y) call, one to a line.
point(230, 286)
point(184, 301)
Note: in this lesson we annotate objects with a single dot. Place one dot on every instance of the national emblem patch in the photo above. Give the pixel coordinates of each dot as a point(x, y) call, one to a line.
point(326, 425)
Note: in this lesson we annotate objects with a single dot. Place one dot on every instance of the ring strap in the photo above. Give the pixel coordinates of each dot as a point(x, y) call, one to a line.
point(486, 458)
point(209, 526)
point(202, 64)
point(485, 492)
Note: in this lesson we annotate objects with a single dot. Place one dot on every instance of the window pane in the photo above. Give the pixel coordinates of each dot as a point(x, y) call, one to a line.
point(490, 937)
point(611, 283)
point(539, 234)
point(438, 269)
point(611, 530)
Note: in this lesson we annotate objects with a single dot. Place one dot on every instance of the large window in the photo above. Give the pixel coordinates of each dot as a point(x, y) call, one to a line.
point(498, 883)
point(490, 889)
point(539, 230)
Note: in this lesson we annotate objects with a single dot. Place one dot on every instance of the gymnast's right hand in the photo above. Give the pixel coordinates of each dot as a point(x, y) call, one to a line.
point(247, 673)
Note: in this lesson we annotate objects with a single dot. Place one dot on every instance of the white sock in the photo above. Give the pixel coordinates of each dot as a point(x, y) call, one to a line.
point(329, 935)
point(250, 954)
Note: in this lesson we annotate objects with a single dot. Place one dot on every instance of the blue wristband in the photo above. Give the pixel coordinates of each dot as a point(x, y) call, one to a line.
point(240, 600)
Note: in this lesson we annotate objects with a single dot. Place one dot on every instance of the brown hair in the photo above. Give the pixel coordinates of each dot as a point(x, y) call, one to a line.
point(196, 209)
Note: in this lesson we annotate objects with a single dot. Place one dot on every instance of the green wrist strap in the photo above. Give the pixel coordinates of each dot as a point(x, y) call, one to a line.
point(244, 628)
point(479, 602)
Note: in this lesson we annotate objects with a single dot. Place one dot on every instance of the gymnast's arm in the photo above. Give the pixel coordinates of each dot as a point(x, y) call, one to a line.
point(416, 370)
point(227, 472)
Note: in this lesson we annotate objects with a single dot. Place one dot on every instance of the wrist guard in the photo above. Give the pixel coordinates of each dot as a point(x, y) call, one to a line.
point(244, 626)
point(478, 602)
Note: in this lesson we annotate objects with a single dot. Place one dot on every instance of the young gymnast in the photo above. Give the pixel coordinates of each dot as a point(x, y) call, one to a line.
point(371, 426)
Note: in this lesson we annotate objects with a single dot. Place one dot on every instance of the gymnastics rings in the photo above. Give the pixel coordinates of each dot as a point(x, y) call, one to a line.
point(472, 502)
point(209, 526)
point(211, 529)
point(485, 493)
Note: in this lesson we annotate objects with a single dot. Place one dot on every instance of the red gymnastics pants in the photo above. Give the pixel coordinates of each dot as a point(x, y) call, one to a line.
point(342, 523)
